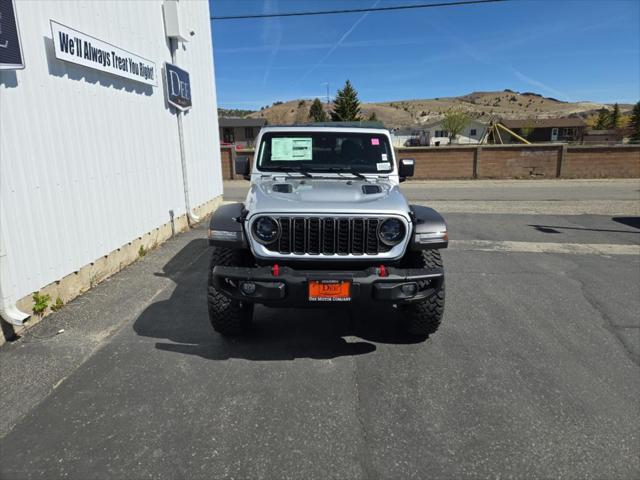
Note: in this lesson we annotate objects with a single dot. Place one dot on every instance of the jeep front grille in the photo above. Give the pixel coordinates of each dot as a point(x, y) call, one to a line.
point(328, 236)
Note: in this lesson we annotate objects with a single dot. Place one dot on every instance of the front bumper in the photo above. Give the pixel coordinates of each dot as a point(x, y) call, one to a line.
point(288, 287)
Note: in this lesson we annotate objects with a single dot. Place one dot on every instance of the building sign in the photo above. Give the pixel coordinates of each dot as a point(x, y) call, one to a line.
point(76, 47)
point(10, 49)
point(178, 87)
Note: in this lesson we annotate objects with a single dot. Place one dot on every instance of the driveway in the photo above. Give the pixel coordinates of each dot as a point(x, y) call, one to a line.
point(533, 374)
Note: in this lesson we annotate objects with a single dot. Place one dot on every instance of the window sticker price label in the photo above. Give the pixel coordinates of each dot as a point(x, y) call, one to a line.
point(291, 149)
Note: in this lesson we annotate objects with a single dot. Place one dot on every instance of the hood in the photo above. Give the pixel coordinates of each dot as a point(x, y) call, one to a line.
point(319, 195)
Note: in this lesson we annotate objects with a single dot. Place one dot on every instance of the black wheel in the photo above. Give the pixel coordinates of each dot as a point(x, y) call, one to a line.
point(228, 317)
point(423, 318)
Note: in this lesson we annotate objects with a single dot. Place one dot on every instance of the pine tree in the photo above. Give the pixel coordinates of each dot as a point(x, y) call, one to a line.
point(316, 112)
point(615, 117)
point(604, 119)
point(346, 106)
point(373, 117)
point(635, 124)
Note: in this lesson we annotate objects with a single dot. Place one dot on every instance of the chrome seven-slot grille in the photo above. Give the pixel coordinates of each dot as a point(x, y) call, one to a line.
point(329, 236)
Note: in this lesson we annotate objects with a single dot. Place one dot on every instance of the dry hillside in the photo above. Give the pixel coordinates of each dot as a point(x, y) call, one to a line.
point(481, 105)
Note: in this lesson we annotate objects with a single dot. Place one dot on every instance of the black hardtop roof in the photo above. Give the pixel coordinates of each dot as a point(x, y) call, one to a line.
point(362, 124)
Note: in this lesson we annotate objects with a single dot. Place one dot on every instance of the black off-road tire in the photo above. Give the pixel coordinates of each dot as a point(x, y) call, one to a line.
point(423, 318)
point(228, 317)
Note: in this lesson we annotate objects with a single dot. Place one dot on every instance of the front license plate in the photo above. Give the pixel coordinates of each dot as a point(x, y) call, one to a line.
point(329, 290)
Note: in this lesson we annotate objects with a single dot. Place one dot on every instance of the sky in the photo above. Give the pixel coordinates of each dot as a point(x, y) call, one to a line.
point(571, 50)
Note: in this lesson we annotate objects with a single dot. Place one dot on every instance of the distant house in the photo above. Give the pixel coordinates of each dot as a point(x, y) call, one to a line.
point(472, 133)
point(409, 137)
point(546, 129)
point(240, 131)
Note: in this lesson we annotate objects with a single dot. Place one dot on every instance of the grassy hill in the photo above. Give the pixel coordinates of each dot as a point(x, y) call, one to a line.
point(480, 105)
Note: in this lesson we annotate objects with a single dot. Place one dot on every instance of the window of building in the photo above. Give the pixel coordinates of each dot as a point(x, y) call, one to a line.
point(248, 133)
point(227, 135)
point(472, 132)
point(442, 133)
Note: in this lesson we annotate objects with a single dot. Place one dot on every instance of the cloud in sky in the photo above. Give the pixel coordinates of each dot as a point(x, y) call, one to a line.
point(272, 28)
point(536, 83)
point(484, 56)
point(380, 42)
point(339, 42)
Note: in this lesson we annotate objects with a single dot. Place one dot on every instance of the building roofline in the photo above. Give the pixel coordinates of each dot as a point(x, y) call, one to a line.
point(543, 122)
point(241, 122)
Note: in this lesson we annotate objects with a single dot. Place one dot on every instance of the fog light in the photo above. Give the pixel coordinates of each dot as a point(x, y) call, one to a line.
point(409, 289)
point(248, 288)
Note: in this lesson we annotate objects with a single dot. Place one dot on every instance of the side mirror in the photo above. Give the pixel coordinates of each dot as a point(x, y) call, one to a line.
point(243, 167)
point(406, 168)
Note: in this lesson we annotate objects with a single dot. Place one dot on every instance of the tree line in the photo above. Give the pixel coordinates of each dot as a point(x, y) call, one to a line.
point(612, 120)
point(608, 120)
point(346, 107)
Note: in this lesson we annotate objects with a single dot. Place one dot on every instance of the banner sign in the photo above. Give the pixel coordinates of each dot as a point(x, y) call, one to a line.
point(10, 48)
point(76, 47)
point(178, 87)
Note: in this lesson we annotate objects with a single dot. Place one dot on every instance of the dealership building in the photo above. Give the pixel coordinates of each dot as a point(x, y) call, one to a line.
point(109, 139)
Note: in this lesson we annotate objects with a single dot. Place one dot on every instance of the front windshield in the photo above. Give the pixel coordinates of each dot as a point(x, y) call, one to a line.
point(325, 152)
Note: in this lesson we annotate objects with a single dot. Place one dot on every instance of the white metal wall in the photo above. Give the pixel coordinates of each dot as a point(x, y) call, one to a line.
point(89, 161)
point(201, 130)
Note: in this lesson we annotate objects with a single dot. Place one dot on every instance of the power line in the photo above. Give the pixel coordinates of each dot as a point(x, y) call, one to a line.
point(358, 10)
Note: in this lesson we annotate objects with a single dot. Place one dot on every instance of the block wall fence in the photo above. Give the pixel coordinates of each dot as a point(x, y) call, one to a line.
point(503, 161)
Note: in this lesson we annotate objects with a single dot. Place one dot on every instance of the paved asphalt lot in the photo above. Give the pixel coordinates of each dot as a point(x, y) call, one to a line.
point(533, 374)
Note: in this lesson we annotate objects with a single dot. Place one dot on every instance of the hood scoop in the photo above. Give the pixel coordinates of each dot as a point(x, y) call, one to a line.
point(283, 188)
point(320, 196)
point(321, 192)
point(371, 189)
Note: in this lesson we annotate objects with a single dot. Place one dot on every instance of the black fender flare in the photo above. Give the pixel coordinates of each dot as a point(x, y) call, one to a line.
point(429, 229)
point(226, 227)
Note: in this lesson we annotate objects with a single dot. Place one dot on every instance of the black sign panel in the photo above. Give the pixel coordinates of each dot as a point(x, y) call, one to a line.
point(178, 87)
point(10, 50)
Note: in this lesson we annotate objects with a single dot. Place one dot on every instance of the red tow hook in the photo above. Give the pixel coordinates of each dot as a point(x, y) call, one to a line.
point(382, 271)
point(275, 271)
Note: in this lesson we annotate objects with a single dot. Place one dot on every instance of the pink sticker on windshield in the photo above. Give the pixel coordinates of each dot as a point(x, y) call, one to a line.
point(375, 141)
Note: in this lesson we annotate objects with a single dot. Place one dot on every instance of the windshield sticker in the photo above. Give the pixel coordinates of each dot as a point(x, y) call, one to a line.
point(384, 157)
point(383, 166)
point(291, 148)
point(375, 141)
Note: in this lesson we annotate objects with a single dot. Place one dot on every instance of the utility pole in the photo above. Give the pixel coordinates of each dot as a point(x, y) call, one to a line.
point(327, 84)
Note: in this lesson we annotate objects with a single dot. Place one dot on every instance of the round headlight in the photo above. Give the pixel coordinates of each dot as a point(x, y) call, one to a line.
point(391, 231)
point(266, 230)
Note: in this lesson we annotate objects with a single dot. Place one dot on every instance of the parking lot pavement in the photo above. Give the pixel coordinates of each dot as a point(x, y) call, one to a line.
point(533, 374)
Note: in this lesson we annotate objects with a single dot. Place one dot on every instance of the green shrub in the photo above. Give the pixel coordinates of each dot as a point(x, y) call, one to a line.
point(57, 305)
point(40, 303)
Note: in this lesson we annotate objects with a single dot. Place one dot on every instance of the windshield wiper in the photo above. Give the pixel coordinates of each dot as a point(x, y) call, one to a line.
point(291, 170)
point(340, 170)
